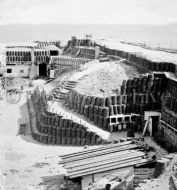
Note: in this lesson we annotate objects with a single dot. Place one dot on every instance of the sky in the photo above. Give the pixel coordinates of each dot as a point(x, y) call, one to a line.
point(88, 11)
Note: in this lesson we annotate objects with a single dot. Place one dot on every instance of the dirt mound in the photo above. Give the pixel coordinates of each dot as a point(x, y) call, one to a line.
point(105, 79)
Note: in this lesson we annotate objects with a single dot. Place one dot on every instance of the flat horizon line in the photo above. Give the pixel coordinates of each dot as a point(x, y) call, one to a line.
point(134, 24)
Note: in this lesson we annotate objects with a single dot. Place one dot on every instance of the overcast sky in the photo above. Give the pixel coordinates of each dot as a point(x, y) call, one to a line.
point(89, 11)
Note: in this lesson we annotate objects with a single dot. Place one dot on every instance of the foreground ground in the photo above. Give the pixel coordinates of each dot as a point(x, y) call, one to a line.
point(25, 164)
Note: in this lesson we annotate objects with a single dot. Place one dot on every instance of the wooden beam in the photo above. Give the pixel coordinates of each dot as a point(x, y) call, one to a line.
point(104, 169)
point(97, 159)
point(105, 163)
point(99, 153)
point(96, 149)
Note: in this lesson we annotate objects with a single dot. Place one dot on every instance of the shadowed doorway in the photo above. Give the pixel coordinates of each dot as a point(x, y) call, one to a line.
point(43, 70)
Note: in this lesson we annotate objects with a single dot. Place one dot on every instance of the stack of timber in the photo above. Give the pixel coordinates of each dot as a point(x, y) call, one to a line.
point(143, 172)
point(102, 159)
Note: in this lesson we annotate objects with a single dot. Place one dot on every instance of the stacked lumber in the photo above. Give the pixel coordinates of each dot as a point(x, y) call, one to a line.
point(105, 158)
point(141, 174)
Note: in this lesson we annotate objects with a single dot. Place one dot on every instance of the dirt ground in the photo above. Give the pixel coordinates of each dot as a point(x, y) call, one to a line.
point(24, 163)
point(164, 182)
point(105, 79)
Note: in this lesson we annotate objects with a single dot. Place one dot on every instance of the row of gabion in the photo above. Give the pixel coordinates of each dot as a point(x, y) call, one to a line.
point(144, 84)
point(126, 126)
point(100, 115)
point(54, 129)
point(140, 61)
point(172, 90)
point(62, 69)
point(132, 104)
point(169, 119)
point(99, 109)
point(67, 136)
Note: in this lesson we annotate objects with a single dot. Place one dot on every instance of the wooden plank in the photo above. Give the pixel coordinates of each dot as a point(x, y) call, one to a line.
point(95, 149)
point(98, 159)
point(145, 176)
point(94, 171)
point(95, 155)
point(99, 153)
point(109, 160)
point(145, 161)
point(143, 169)
point(116, 149)
point(105, 163)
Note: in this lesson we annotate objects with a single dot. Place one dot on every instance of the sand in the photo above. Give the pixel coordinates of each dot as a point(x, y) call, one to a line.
point(24, 163)
point(105, 78)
